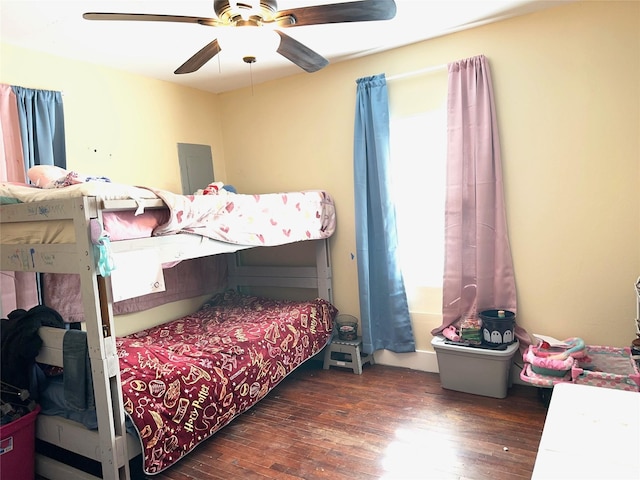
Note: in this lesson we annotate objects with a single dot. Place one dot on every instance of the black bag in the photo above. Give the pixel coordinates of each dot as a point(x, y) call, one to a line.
point(20, 342)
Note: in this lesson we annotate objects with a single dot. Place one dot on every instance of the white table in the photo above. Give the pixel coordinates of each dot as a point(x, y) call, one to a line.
point(590, 432)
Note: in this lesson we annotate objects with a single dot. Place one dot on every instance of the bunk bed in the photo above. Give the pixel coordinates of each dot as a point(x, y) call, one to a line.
point(66, 232)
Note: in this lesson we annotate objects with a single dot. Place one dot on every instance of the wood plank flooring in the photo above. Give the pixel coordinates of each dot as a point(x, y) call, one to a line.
point(388, 423)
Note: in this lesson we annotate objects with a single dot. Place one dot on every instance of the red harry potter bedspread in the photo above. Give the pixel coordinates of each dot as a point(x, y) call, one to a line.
point(184, 380)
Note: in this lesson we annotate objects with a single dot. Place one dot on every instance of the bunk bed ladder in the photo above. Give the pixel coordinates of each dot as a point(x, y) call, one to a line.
point(96, 299)
point(111, 449)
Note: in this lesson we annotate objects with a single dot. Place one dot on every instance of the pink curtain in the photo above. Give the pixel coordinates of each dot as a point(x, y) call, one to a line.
point(12, 165)
point(478, 272)
point(18, 288)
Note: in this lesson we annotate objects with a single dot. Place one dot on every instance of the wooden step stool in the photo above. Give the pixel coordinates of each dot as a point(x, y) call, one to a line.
point(334, 355)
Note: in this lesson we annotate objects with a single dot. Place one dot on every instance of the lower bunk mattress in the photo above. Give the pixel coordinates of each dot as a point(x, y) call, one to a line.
point(184, 380)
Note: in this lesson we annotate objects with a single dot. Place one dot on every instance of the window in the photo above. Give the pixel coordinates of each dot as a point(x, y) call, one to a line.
point(418, 159)
point(418, 123)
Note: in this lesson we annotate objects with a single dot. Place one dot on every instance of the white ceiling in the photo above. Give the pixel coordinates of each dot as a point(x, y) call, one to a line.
point(156, 49)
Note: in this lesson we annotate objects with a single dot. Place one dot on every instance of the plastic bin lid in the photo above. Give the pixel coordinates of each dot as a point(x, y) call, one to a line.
point(439, 342)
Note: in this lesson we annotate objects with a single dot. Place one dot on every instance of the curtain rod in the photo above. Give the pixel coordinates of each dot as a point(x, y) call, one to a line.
point(422, 71)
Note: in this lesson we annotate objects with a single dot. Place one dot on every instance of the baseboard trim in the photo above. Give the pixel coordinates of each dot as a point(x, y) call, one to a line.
point(419, 360)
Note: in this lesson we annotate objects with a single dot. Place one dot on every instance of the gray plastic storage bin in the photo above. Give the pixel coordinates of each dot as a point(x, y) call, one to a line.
point(474, 370)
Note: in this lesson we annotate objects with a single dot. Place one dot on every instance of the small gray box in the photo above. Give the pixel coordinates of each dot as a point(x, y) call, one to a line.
point(474, 370)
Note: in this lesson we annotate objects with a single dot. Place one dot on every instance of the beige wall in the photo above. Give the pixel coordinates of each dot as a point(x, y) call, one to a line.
point(121, 125)
point(568, 97)
point(567, 89)
point(126, 127)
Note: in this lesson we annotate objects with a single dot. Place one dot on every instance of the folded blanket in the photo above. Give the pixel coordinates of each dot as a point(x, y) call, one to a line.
point(78, 386)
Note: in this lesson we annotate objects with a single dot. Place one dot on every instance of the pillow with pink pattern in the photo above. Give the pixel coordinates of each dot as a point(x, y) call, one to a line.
point(43, 176)
point(49, 176)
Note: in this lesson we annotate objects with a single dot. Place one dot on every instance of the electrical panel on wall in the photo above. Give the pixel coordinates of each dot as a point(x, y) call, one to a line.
point(196, 167)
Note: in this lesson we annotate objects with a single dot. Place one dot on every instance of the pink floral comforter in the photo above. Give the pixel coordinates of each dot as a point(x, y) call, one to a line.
point(259, 220)
point(184, 380)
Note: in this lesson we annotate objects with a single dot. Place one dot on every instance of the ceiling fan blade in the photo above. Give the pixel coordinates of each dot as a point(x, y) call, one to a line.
point(145, 17)
point(300, 54)
point(200, 58)
point(360, 11)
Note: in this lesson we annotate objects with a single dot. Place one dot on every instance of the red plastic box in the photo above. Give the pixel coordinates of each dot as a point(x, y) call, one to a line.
point(17, 448)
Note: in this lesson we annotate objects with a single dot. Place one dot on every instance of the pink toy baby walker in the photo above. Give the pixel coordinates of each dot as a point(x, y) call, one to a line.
point(573, 361)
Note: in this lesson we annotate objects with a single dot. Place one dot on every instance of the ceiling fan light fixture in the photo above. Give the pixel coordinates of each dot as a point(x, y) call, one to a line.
point(248, 40)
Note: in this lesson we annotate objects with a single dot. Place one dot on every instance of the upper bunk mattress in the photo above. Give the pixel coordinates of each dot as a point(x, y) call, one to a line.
point(255, 220)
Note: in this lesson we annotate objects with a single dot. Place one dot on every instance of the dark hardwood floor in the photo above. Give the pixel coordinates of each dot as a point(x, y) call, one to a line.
point(388, 423)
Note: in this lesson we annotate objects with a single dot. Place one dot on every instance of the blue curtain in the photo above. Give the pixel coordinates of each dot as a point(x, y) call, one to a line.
point(384, 311)
point(42, 127)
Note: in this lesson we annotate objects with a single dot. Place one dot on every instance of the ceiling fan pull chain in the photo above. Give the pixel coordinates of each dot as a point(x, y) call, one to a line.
point(250, 60)
point(251, 75)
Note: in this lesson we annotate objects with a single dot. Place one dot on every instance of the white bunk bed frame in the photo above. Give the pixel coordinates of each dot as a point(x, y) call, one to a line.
point(110, 445)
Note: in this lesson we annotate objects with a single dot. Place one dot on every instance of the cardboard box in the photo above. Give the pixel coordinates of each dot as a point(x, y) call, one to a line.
point(474, 370)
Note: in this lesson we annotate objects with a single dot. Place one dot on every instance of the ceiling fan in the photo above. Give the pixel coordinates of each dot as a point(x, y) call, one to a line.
point(265, 13)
